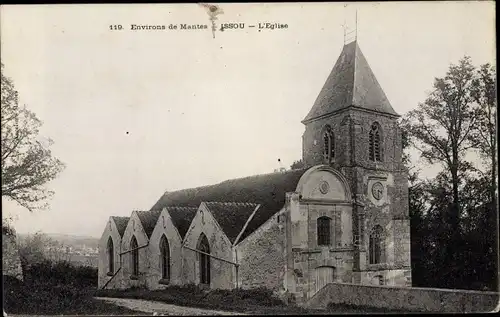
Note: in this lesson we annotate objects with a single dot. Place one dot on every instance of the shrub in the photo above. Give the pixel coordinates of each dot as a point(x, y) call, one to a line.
point(60, 273)
point(36, 297)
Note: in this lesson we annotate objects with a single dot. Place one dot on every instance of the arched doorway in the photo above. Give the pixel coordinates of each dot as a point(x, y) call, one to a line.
point(324, 276)
point(204, 260)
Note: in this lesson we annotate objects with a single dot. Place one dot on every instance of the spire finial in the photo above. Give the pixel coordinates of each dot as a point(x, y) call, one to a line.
point(350, 35)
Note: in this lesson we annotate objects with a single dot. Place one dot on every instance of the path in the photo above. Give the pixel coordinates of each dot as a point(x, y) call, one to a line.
point(162, 309)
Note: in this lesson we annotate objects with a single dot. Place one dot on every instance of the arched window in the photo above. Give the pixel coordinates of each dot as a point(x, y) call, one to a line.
point(375, 143)
point(328, 145)
point(376, 245)
point(135, 256)
point(165, 258)
point(204, 260)
point(324, 229)
point(111, 256)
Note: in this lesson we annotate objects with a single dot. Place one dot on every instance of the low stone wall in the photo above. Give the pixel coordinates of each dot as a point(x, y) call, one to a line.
point(407, 299)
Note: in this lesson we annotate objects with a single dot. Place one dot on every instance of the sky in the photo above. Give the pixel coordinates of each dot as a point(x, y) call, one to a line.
point(136, 113)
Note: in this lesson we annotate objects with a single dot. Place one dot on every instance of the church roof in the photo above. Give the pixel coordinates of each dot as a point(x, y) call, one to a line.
point(182, 217)
point(350, 83)
point(268, 190)
point(231, 216)
point(121, 224)
point(148, 220)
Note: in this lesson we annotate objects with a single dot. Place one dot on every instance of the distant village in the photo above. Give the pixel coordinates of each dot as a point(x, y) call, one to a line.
point(77, 250)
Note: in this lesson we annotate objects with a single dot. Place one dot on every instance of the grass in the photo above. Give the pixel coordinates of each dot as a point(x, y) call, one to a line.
point(56, 289)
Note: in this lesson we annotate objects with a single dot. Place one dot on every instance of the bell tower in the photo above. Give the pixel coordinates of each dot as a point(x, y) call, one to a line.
point(353, 128)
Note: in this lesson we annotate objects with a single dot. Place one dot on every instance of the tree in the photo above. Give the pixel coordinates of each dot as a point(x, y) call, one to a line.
point(484, 138)
point(453, 216)
point(484, 135)
point(297, 165)
point(27, 164)
point(440, 127)
point(40, 247)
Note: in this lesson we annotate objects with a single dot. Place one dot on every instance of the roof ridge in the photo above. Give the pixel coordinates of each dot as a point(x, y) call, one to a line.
point(180, 207)
point(235, 179)
point(231, 203)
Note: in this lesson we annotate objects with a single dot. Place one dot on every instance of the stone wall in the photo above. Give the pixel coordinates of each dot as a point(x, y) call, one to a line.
point(262, 256)
point(165, 227)
point(103, 261)
point(10, 255)
point(407, 299)
point(134, 228)
point(221, 273)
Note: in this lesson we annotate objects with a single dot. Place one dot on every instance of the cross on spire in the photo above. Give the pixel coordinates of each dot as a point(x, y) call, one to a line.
point(350, 35)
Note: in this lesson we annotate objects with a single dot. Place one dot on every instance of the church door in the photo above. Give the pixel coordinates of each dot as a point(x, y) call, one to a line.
point(324, 275)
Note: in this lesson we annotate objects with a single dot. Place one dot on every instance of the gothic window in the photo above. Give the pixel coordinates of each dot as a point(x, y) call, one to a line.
point(375, 143)
point(135, 256)
point(204, 260)
point(111, 256)
point(324, 231)
point(328, 145)
point(376, 245)
point(165, 258)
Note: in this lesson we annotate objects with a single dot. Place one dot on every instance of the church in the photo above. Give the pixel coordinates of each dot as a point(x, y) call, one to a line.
point(343, 218)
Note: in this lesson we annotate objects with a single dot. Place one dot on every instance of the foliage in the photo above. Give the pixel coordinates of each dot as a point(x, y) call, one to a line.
point(61, 273)
point(27, 164)
point(453, 216)
point(54, 288)
point(484, 93)
point(299, 164)
point(45, 299)
point(7, 228)
point(38, 248)
point(194, 296)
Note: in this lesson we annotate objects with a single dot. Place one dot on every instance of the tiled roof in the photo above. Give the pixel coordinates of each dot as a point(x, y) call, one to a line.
point(231, 216)
point(148, 220)
point(268, 190)
point(350, 83)
point(182, 217)
point(121, 224)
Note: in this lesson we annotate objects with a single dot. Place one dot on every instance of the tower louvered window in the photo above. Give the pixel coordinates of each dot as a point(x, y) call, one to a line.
point(328, 145)
point(376, 245)
point(324, 231)
point(375, 146)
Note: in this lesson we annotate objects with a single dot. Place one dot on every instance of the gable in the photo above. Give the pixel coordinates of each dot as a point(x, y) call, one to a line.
point(148, 220)
point(139, 231)
point(231, 216)
point(182, 218)
point(120, 223)
point(324, 183)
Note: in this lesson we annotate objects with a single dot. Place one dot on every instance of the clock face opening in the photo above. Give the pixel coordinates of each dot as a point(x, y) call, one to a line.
point(378, 190)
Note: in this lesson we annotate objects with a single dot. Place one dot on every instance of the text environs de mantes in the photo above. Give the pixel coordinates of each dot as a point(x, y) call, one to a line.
point(182, 26)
